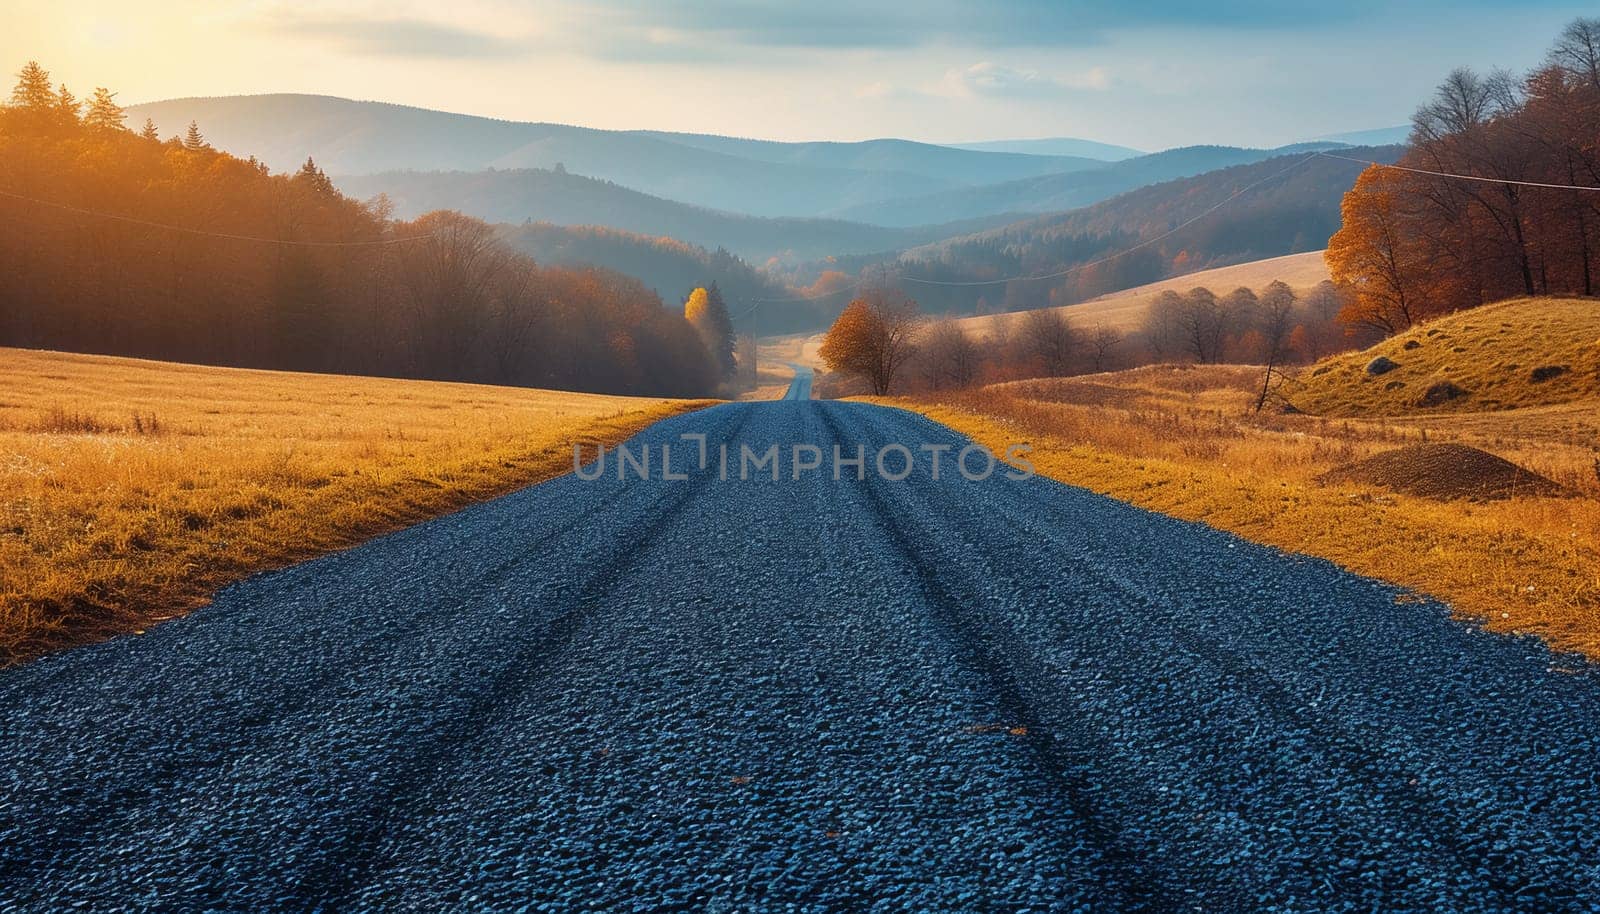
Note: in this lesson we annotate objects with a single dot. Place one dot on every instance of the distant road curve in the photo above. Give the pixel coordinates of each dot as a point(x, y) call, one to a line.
point(800, 387)
point(803, 695)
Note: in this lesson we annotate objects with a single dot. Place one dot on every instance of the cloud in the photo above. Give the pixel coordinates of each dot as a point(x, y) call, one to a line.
point(401, 37)
point(997, 81)
point(887, 24)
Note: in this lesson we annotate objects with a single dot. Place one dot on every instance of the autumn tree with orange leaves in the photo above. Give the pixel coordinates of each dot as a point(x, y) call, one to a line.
point(1503, 198)
point(871, 339)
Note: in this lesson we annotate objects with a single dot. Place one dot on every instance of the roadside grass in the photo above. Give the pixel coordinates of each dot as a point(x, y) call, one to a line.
point(130, 490)
point(1519, 353)
point(1184, 441)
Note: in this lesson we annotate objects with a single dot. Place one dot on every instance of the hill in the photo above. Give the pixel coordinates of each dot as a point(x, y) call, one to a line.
point(948, 163)
point(1519, 353)
point(672, 269)
point(1059, 192)
point(1060, 145)
point(562, 198)
point(1381, 136)
point(747, 176)
point(1125, 311)
point(1290, 205)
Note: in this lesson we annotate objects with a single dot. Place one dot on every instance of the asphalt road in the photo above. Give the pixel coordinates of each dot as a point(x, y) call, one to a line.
point(803, 696)
point(800, 387)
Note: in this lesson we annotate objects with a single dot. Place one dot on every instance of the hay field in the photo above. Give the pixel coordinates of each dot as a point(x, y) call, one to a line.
point(131, 490)
point(1124, 311)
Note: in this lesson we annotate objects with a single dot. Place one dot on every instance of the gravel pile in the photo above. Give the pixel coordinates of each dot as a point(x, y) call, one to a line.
point(1446, 471)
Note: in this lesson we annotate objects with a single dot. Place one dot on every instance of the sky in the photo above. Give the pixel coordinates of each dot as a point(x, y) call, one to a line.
point(1147, 75)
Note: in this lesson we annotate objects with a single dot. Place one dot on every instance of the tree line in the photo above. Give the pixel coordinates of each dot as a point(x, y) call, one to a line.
point(1417, 245)
point(116, 241)
point(882, 344)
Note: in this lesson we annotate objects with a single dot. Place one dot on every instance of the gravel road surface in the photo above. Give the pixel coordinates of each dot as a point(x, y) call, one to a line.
point(726, 695)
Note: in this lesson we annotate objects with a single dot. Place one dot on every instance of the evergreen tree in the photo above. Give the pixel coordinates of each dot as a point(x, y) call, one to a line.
point(314, 177)
point(66, 108)
point(104, 113)
point(33, 91)
point(192, 139)
point(149, 130)
point(708, 314)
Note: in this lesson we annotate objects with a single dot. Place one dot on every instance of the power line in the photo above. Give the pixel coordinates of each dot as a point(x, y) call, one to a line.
point(194, 231)
point(1446, 174)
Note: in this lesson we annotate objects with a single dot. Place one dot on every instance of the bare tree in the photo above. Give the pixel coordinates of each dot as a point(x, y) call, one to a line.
point(1274, 322)
point(949, 357)
point(1163, 325)
point(1577, 51)
point(1101, 342)
point(1203, 324)
point(1051, 340)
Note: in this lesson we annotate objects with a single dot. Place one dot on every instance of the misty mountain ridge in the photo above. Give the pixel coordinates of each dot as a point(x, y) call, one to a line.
point(758, 177)
point(1061, 192)
point(1058, 145)
point(561, 198)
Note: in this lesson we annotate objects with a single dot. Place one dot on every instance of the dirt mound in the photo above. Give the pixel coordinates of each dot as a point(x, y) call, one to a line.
point(1446, 471)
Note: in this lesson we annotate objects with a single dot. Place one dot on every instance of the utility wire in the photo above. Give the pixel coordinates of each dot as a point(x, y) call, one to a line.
point(1445, 174)
point(194, 231)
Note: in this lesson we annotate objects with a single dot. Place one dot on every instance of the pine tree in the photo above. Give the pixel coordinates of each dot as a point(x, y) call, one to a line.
point(66, 107)
point(33, 91)
point(149, 131)
point(192, 139)
point(104, 113)
point(310, 174)
point(707, 313)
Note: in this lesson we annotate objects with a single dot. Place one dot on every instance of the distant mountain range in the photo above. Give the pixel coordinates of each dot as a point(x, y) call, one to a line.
point(1383, 136)
point(1056, 146)
point(1054, 193)
point(681, 208)
point(748, 176)
point(542, 195)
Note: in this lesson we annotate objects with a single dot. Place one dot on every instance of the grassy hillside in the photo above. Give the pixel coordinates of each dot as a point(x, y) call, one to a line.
point(1125, 311)
point(130, 490)
point(1519, 353)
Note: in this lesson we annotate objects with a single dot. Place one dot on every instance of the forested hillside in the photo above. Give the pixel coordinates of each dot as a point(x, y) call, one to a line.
point(1059, 192)
point(1293, 207)
point(118, 242)
point(670, 267)
point(562, 198)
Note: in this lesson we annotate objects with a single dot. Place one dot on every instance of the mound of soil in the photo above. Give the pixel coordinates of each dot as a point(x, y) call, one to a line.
point(1446, 471)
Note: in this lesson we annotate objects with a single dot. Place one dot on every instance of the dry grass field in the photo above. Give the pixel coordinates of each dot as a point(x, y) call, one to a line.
point(1124, 311)
point(1184, 441)
point(131, 490)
